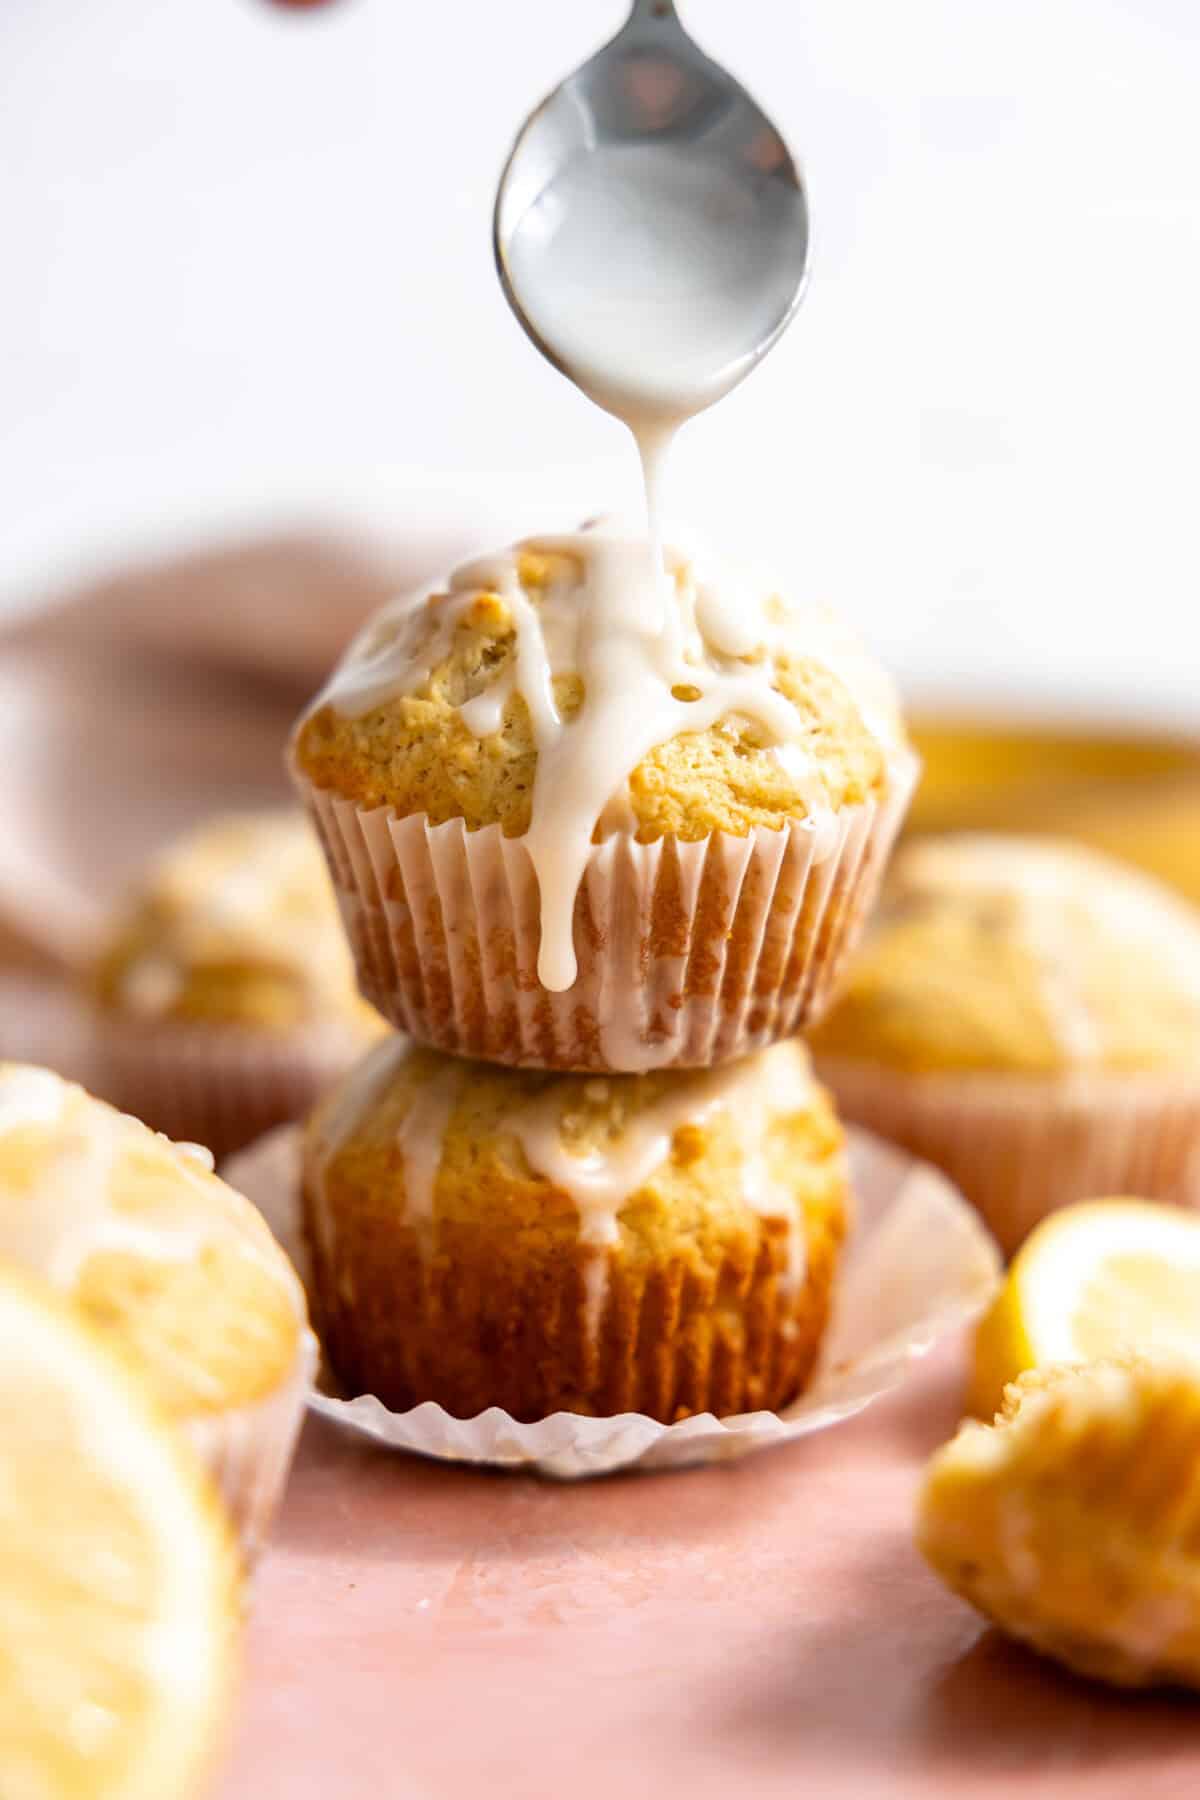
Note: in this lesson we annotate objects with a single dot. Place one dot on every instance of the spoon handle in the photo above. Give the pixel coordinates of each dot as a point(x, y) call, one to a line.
point(653, 22)
point(649, 12)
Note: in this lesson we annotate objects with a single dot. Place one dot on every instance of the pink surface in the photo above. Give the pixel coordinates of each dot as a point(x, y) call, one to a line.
point(763, 1628)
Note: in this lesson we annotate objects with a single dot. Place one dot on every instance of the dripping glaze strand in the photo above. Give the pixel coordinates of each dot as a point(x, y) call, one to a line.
point(658, 656)
point(599, 1180)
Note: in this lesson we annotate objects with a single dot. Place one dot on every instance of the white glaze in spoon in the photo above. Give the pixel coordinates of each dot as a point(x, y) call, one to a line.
point(651, 231)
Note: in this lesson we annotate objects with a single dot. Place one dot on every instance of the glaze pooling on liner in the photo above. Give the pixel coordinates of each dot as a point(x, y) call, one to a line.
point(658, 657)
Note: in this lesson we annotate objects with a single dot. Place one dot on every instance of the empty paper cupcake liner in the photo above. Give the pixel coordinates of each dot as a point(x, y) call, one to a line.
point(1021, 1146)
point(689, 954)
point(916, 1266)
point(217, 1085)
point(248, 1449)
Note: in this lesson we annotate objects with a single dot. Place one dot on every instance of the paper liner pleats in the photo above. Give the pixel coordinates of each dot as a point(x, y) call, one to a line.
point(689, 954)
point(248, 1449)
point(916, 1266)
point(1021, 1146)
point(594, 1333)
point(218, 1085)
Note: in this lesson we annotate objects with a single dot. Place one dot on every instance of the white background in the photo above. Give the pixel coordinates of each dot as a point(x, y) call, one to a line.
point(246, 278)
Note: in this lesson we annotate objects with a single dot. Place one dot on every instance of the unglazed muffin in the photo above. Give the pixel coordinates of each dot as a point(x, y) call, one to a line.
point(224, 994)
point(1026, 1013)
point(663, 1244)
point(174, 1267)
point(583, 819)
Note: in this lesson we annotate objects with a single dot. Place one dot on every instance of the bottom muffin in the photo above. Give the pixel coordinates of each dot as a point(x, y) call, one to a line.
point(663, 1244)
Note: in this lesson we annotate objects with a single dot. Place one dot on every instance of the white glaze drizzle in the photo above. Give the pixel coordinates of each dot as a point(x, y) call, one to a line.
point(74, 1209)
point(340, 1115)
point(664, 324)
point(420, 1136)
point(601, 1180)
point(689, 293)
point(422, 1140)
point(638, 644)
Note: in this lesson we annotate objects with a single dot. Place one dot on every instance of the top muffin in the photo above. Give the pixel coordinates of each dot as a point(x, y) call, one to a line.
point(568, 697)
point(236, 924)
point(752, 710)
point(1021, 955)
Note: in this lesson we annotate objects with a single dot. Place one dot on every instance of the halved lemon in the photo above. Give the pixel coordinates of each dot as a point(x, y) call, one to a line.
point(118, 1578)
point(1101, 1279)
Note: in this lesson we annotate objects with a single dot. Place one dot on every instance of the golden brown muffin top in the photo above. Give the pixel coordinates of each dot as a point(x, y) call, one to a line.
point(1021, 955)
point(644, 1161)
point(235, 924)
point(757, 710)
point(566, 690)
point(175, 1267)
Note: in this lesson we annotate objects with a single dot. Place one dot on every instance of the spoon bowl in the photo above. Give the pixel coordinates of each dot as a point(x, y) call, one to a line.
point(651, 227)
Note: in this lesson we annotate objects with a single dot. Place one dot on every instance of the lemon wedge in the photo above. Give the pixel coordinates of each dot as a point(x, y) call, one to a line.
point(1073, 1522)
point(1101, 1279)
point(118, 1580)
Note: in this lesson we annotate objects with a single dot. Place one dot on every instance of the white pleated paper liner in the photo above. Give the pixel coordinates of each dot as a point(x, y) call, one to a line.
point(218, 1085)
point(1021, 1146)
point(918, 1264)
point(248, 1450)
point(689, 953)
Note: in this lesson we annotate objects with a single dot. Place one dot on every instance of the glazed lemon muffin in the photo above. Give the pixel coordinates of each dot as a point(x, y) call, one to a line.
point(1026, 1013)
point(177, 1270)
point(224, 994)
point(663, 1244)
point(583, 818)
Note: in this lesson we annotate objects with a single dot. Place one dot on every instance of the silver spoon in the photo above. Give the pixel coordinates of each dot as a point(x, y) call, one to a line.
point(656, 162)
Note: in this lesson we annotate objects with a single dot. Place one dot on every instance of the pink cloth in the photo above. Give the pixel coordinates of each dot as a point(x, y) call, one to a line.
point(765, 1629)
point(139, 705)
